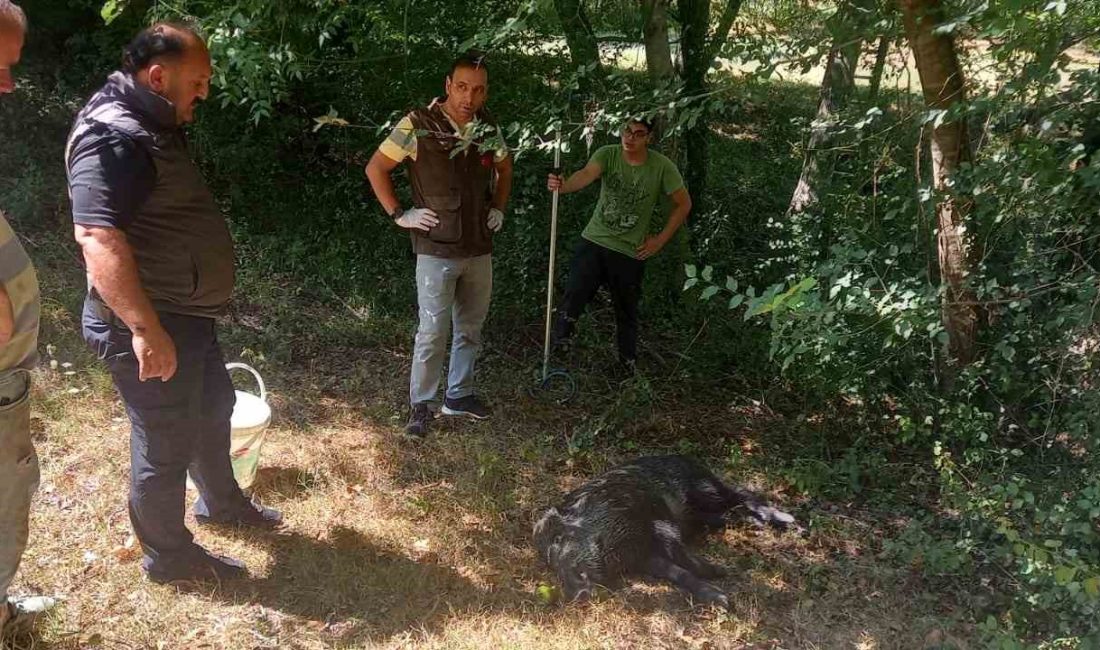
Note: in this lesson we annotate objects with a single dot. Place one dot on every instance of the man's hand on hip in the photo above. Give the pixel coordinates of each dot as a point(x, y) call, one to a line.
point(156, 354)
point(495, 220)
point(418, 218)
point(650, 247)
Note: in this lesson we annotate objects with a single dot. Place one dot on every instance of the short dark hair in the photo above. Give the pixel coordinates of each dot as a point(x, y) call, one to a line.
point(647, 122)
point(11, 15)
point(471, 59)
point(157, 43)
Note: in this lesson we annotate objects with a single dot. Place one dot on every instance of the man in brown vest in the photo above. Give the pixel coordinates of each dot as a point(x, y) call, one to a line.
point(458, 203)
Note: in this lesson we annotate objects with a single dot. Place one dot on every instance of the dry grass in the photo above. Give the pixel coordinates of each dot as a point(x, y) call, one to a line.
point(392, 544)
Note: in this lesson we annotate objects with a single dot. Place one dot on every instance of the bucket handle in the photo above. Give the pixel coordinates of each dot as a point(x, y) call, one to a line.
point(259, 379)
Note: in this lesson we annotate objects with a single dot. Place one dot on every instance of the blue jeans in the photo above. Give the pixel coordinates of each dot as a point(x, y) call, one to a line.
point(18, 472)
point(449, 291)
point(176, 426)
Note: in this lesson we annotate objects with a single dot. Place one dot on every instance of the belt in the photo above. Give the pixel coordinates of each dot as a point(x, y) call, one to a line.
point(99, 309)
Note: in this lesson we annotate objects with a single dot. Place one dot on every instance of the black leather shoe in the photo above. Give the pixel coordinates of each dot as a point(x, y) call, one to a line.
point(253, 515)
point(200, 567)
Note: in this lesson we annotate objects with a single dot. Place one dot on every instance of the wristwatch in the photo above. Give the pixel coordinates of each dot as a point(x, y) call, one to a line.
point(396, 214)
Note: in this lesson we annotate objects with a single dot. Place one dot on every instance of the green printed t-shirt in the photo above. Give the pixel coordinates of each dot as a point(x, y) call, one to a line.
point(628, 195)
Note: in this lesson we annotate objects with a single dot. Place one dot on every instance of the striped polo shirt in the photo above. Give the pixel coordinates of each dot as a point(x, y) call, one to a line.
point(21, 284)
point(401, 143)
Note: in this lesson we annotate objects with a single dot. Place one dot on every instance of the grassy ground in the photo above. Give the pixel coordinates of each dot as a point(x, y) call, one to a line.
point(395, 544)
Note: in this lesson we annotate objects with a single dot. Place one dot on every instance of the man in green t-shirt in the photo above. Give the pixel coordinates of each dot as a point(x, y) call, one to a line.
point(617, 241)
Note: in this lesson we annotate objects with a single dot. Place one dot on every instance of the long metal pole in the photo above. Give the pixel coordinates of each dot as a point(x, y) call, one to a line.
point(553, 258)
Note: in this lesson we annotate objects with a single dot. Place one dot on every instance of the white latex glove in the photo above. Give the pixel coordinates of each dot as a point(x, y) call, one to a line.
point(496, 219)
point(419, 218)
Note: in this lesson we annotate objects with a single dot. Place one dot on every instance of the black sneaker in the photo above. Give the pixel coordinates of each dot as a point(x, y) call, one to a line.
point(253, 515)
point(470, 406)
point(560, 346)
point(202, 566)
point(420, 421)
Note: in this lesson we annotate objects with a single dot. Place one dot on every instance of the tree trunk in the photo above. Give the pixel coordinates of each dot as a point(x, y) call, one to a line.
point(668, 267)
point(725, 23)
point(695, 21)
point(846, 28)
point(583, 48)
point(658, 53)
point(658, 56)
point(699, 53)
point(836, 87)
point(880, 65)
point(942, 84)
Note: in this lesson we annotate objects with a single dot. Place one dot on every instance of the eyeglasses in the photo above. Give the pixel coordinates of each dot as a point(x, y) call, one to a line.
point(636, 134)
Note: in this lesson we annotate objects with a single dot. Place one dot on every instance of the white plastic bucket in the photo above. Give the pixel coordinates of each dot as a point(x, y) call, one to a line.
point(251, 416)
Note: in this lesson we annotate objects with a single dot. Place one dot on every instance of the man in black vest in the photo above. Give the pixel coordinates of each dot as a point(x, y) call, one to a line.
point(160, 270)
point(460, 188)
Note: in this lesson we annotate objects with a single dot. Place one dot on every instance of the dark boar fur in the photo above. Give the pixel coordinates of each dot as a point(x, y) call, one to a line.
point(635, 520)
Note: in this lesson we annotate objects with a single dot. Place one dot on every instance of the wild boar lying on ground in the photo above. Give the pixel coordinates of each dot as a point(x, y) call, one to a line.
point(635, 519)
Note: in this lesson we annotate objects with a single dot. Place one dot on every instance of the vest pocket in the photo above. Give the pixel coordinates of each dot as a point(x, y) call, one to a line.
point(15, 414)
point(211, 276)
point(448, 209)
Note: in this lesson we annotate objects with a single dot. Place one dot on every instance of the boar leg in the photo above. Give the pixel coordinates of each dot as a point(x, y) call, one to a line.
point(701, 591)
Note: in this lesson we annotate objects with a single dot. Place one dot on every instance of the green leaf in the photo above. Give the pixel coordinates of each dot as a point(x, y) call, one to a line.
point(690, 270)
point(1064, 574)
point(805, 285)
point(1092, 586)
point(112, 9)
point(795, 290)
point(707, 273)
point(757, 306)
point(690, 282)
point(736, 300)
point(709, 292)
point(731, 284)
